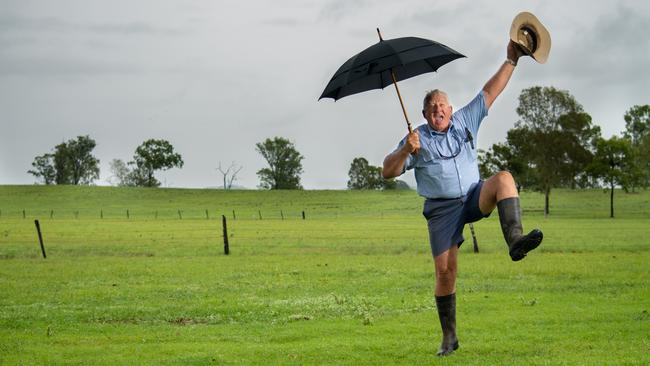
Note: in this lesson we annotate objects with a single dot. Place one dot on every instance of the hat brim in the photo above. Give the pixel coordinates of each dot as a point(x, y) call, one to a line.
point(526, 19)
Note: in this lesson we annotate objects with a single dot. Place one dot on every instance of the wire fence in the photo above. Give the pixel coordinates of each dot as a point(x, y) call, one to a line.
point(241, 213)
point(162, 214)
point(187, 232)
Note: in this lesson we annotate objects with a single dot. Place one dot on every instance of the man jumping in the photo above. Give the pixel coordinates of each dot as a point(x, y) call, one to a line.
point(443, 153)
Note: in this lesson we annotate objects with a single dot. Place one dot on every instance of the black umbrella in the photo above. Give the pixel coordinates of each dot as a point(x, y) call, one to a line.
point(387, 62)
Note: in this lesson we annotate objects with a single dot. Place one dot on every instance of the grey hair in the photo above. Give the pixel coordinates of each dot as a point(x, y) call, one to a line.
point(430, 94)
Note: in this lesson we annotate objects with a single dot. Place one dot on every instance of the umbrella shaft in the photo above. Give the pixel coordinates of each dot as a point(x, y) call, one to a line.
point(408, 123)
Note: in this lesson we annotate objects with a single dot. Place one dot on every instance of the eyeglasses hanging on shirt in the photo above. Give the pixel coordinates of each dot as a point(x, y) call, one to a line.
point(459, 142)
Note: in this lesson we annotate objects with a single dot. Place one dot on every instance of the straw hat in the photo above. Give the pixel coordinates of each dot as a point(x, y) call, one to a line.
point(531, 36)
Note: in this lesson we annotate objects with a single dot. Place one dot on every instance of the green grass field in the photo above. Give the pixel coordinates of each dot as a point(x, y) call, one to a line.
point(352, 284)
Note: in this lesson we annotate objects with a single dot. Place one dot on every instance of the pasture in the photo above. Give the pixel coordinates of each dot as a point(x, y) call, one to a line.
point(351, 284)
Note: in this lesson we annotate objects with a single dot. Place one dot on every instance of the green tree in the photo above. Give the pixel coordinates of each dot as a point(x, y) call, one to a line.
point(613, 157)
point(552, 137)
point(151, 156)
point(83, 166)
point(642, 158)
point(71, 163)
point(579, 140)
point(44, 168)
point(540, 108)
point(637, 128)
point(62, 165)
point(365, 176)
point(504, 157)
point(637, 123)
point(284, 162)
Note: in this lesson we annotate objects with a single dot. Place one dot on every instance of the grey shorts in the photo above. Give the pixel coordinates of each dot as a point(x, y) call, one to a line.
point(446, 218)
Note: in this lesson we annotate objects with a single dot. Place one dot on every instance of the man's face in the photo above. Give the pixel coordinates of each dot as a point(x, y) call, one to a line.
point(438, 113)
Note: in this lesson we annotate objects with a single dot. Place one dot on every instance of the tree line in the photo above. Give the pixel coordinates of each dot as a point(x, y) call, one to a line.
point(72, 162)
point(554, 144)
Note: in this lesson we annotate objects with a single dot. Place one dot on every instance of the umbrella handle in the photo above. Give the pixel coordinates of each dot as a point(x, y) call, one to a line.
point(408, 123)
point(392, 75)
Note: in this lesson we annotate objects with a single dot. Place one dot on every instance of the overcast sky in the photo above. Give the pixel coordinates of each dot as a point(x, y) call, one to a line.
point(216, 77)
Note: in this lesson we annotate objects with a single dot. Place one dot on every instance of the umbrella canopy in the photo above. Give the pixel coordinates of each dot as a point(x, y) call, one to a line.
point(371, 68)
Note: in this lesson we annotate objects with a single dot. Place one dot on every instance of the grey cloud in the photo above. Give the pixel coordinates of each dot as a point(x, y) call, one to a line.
point(58, 66)
point(286, 22)
point(340, 9)
point(53, 24)
point(134, 28)
point(615, 51)
point(214, 78)
point(440, 18)
point(23, 24)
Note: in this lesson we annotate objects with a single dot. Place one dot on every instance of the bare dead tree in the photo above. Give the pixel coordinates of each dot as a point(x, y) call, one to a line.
point(233, 175)
point(230, 174)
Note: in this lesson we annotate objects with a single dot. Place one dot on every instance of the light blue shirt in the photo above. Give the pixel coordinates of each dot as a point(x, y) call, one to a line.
point(446, 165)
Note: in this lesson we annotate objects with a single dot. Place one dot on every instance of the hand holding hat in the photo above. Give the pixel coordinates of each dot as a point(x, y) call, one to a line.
point(531, 36)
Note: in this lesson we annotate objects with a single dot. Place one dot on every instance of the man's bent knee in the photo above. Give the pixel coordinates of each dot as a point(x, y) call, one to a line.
point(504, 177)
point(501, 186)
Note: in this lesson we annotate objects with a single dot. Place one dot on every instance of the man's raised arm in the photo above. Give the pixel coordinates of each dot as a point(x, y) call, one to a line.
point(498, 82)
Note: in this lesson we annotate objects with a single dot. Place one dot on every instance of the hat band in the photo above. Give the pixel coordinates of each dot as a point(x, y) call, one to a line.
point(527, 39)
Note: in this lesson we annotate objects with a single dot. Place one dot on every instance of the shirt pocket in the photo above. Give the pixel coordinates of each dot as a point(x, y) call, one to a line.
point(433, 164)
point(472, 154)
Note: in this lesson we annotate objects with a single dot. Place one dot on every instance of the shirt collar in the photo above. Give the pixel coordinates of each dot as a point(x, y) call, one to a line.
point(434, 132)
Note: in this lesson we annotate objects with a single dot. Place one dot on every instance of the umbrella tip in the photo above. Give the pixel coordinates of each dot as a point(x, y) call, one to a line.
point(379, 34)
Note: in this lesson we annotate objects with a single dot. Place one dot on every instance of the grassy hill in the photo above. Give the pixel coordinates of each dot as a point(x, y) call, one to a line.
point(88, 201)
point(351, 284)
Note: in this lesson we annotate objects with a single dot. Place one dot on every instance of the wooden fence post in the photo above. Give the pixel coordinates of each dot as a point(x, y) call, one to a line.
point(281, 215)
point(260, 213)
point(207, 216)
point(233, 215)
point(226, 247)
point(471, 228)
point(40, 238)
point(303, 215)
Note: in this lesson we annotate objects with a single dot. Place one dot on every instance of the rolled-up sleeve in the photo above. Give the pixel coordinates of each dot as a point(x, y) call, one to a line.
point(473, 113)
point(410, 161)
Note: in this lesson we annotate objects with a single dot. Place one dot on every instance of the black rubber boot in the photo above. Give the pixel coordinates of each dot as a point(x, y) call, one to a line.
point(447, 313)
point(510, 218)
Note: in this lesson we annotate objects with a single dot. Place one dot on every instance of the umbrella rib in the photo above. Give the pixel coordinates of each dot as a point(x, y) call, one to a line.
point(395, 52)
point(387, 63)
point(428, 61)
